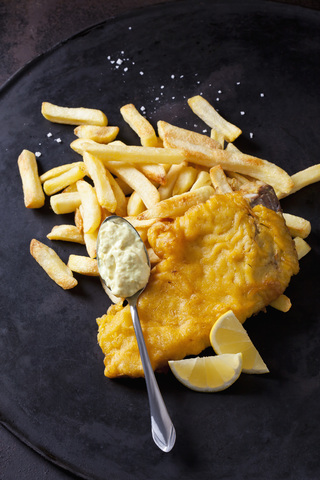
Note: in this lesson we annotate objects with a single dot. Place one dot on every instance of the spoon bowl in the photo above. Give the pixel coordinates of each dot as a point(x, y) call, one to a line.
point(163, 431)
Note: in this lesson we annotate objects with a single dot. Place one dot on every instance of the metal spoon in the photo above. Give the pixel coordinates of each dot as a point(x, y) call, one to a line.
point(163, 431)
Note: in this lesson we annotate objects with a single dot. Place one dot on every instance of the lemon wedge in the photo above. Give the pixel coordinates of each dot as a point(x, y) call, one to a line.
point(208, 374)
point(229, 336)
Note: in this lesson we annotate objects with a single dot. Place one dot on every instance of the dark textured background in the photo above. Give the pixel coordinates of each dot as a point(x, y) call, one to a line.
point(29, 28)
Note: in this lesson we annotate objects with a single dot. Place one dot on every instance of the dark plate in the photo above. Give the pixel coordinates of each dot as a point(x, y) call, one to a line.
point(54, 395)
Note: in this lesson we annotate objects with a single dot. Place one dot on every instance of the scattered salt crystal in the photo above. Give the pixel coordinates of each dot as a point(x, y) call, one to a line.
point(112, 62)
point(251, 135)
point(142, 109)
point(173, 98)
point(162, 86)
point(129, 28)
point(217, 99)
point(219, 91)
point(49, 134)
point(38, 154)
point(172, 76)
point(156, 99)
point(58, 140)
point(261, 94)
point(242, 112)
point(125, 69)
point(204, 131)
point(141, 73)
point(119, 61)
point(108, 57)
point(238, 83)
point(181, 76)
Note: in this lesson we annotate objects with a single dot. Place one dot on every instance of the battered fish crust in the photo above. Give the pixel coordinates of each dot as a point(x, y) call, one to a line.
point(220, 255)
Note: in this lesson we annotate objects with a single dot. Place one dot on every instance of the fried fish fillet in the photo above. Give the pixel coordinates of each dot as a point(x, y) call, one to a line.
point(220, 255)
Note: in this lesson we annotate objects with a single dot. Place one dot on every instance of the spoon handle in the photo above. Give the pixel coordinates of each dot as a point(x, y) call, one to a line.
point(163, 431)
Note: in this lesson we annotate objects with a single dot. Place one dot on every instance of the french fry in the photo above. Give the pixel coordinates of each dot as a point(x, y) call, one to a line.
point(219, 180)
point(142, 226)
point(91, 211)
point(31, 184)
point(305, 177)
point(183, 138)
point(165, 191)
point(177, 206)
point(139, 182)
point(81, 144)
point(232, 148)
point(126, 189)
point(204, 110)
point(96, 133)
point(238, 162)
point(78, 220)
point(298, 226)
point(155, 173)
point(67, 233)
point(90, 240)
point(282, 303)
point(83, 265)
point(203, 180)
point(73, 116)
point(302, 247)
point(129, 154)
point(70, 188)
point(153, 257)
point(104, 191)
point(241, 179)
point(65, 202)
point(185, 180)
point(140, 125)
point(52, 264)
point(121, 208)
point(56, 171)
point(58, 183)
point(135, 204)
point(217, 136)
point(138, 223)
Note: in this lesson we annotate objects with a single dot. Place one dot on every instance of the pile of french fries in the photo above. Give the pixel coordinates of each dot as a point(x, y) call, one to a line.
point(172, 170)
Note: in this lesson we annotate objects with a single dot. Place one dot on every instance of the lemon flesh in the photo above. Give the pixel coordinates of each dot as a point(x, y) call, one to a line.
point(208, 374)
point(229, 336)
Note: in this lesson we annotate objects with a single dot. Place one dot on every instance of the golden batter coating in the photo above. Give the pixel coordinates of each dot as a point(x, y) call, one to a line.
point(220, 255)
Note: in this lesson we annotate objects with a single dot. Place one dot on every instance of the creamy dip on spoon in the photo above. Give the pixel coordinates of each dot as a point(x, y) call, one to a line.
point(123, 262)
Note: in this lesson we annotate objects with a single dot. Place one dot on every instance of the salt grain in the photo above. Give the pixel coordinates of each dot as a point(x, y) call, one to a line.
point(58, 140)
point(38, 154)
point(242, 113)
point(49, 134)
point(141, 73)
